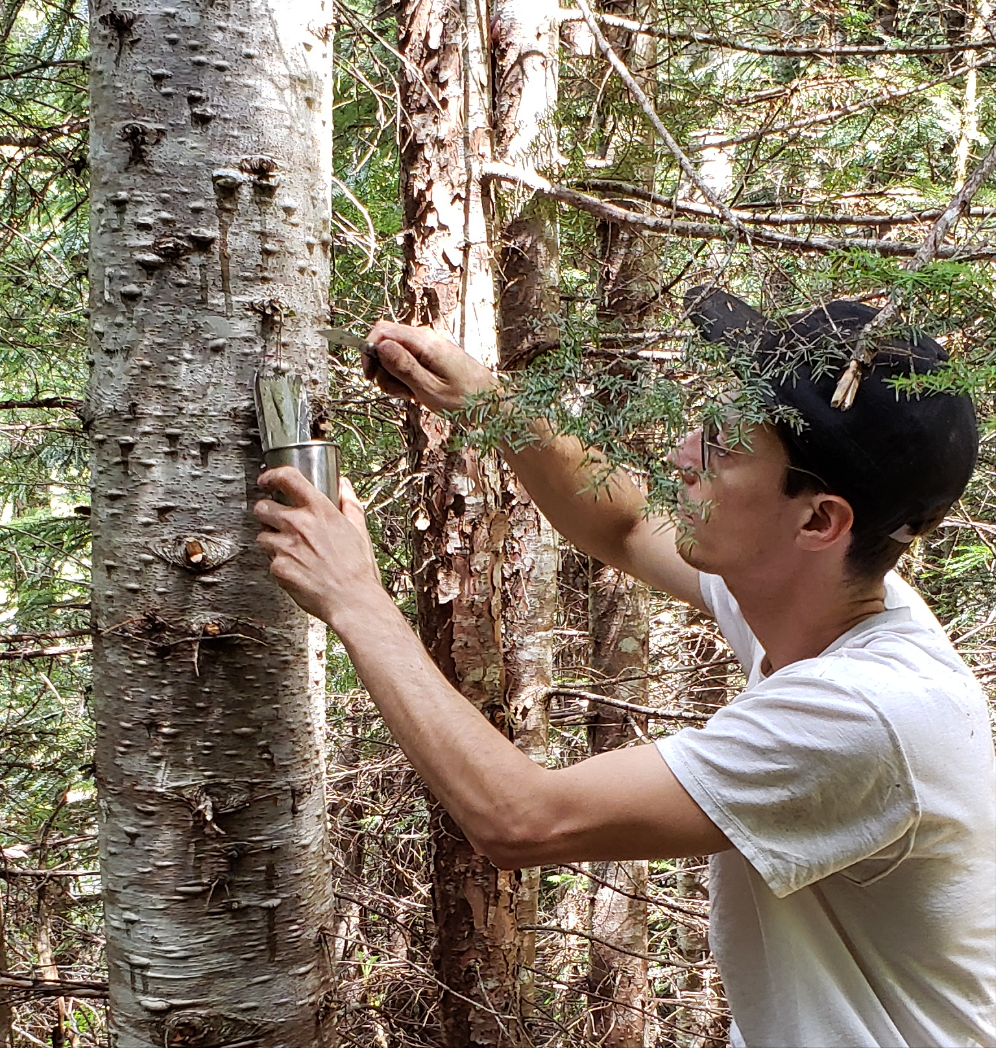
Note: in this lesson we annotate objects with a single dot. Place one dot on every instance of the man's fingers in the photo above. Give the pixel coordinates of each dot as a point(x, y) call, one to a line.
point(269, 513)
point(265, 541)
point(290, 482)
point(352, 509)
point(392, 386)
point(421, 342)
point(397, 359)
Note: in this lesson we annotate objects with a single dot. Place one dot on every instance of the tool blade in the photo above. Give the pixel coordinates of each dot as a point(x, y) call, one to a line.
point(340, 337)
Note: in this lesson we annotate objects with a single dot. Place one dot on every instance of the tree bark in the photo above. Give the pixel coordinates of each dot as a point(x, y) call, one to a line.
point(620, 632)
point(628, 293)
point(698, 1022)
point(209, 259)
point(6, 1011)
point(460, 527)
point(525, 58)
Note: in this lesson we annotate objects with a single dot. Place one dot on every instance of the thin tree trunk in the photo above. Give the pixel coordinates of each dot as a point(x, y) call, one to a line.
point(524, 36)
point(6, 1011)
point(979, 17)
point(699, 1022)
point(460, 528)
point(209, 259)
point(620, 630)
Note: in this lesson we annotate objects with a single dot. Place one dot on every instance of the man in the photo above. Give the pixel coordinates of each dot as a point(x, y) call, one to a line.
point(848, 796)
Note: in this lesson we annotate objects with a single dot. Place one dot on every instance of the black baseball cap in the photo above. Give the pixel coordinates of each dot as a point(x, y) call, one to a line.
point(900, 459)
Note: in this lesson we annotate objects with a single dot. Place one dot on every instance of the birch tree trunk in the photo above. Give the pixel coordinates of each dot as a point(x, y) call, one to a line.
point(460, 527)
point(620, 634)
point(525, 43)
point(209, 259)
point(978, 19)
point(620, 631)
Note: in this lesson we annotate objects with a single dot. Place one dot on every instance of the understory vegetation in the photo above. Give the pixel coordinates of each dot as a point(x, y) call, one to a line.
point(834, 133)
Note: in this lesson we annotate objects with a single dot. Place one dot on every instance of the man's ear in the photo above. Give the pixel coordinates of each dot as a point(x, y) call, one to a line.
point(828, 520)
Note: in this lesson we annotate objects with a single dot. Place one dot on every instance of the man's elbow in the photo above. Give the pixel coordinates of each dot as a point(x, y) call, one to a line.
point(513, 840)
point(508, 853)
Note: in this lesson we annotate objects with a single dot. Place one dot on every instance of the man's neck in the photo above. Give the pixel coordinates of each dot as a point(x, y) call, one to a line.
point(800, 616)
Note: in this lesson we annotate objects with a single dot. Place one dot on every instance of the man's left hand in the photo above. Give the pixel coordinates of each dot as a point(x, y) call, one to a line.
point(319, 553)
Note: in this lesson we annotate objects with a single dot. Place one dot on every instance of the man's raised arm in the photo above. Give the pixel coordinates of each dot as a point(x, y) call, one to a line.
point(606, 520)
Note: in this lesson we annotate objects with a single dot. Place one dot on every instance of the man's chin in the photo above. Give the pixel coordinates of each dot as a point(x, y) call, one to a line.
point(690, 551)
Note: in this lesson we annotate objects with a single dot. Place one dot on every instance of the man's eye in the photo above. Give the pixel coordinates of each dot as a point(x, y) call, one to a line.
point(716, 440)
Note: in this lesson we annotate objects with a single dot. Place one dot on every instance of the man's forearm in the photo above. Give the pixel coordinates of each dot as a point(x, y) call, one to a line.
point(486, 783)
point(593, 508)
point(625, 804)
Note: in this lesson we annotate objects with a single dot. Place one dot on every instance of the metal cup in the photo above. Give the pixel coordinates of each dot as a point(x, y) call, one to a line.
point(318, 460)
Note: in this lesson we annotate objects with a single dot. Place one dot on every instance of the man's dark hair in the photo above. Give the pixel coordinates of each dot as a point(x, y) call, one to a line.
point(870, 554)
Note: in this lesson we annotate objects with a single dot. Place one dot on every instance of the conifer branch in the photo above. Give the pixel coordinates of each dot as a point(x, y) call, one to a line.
point(863, 354)
point(687, 167)
point(692, 36)
point(714, 231)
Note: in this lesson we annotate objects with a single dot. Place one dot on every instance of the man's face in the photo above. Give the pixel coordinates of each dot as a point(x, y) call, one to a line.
point(734, 513)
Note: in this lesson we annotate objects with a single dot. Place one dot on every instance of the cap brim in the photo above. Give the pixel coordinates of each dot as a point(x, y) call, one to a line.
point(722, 317)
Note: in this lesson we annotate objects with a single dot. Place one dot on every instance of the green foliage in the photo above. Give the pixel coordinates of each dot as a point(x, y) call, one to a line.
point(845, 137)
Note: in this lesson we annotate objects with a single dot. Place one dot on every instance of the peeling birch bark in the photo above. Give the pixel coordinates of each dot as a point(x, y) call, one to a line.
point(525, 58)
point(460, 527)
point(210, 155)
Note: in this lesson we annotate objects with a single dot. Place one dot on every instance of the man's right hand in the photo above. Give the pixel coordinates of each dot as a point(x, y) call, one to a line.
point(418, 364)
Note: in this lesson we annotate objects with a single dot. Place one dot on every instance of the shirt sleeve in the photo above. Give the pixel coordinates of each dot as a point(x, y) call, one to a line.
point(803, 776)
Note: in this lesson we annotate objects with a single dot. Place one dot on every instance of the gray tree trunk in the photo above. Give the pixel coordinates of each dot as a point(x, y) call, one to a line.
point(209, 259)
point(525, 50)
point(6, 1011)
point(460, 527)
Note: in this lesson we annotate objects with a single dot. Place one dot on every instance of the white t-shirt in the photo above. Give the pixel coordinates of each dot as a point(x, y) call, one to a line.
point(857, 908)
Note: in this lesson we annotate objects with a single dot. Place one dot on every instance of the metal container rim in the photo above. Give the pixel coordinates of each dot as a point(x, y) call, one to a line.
point(303, 444)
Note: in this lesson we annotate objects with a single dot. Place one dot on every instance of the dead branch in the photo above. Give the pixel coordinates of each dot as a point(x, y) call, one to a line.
point(664, 962)
point(43, 136)
point(43, 653)
point(631, 707)
point(690, 907)
point(691, 36)
point(9, 873)
point(887, 97)
point(687, 167)
point(777, 218)
point(706, 231)
point(28, 70)
point(24, 987)
point(43, 403)
point(863, 353)
point(34, 638)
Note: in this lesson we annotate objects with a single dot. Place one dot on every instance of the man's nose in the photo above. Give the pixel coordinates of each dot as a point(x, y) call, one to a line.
point(687, 456)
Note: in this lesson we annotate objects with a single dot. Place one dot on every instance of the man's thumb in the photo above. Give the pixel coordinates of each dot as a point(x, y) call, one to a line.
point(350, 505)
